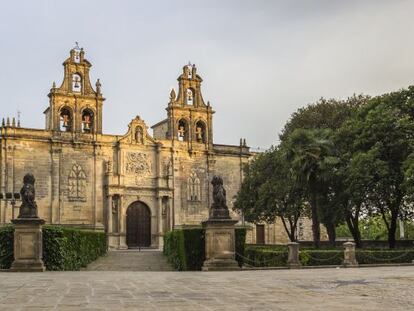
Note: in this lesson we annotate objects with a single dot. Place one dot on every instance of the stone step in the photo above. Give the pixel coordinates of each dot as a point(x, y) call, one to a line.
point(131, 260)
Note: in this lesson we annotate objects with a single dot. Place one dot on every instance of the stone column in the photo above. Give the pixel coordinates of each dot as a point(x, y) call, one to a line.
point(160, 231)
point(293, 255)
point(122, 223)
point(349, 255)
point(28, 245)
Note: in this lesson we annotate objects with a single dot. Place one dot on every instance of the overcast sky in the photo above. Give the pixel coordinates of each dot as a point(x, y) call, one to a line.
point(260, 60)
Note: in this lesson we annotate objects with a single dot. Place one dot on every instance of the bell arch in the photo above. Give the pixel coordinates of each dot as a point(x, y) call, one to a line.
point(88, 120)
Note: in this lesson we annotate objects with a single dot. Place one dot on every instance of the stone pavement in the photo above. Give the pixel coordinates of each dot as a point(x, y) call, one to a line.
point(368, 289)
point(131, 260)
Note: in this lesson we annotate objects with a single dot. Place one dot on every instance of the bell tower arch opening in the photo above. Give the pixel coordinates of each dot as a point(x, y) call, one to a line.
point(78, 96)
point(189, 117)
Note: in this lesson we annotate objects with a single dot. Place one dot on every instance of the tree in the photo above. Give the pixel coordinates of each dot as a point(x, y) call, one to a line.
point(270, 190)
point(324, 114)
point(312, 157)
point(383, 133)
point(282, 195)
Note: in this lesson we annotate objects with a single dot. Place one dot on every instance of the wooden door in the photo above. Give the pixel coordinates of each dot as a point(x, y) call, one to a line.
point(138, 225)
point(260, 234)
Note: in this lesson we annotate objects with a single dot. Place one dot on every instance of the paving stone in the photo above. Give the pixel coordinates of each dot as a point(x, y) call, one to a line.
point(381, 288)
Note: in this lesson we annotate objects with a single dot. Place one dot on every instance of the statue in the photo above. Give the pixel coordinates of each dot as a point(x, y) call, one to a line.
point(219, 209)
point(28, 209)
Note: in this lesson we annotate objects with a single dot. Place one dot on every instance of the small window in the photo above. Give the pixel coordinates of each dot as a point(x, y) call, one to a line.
point(76, 83)
point(87, 121)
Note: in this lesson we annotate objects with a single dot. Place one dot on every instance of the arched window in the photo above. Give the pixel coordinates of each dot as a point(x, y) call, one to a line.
point(77, 184)
point(193, 188)
point(76, 83)
point(182, 130)
point(190, 97)
point(65, 123)
point(200, 132)
point(139, 135)
point(87, 121)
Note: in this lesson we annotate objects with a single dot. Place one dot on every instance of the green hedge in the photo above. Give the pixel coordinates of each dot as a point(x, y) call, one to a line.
point(384, 256)
point(262, 257)
point(6, 246)
point(63, 248)
point(313, 257)
point(185, 248)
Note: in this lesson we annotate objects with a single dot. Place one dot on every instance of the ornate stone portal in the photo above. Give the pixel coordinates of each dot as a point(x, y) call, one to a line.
point(28, 232)
point(220, 233)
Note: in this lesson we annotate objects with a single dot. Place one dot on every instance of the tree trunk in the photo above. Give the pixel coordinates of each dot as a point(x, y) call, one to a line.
point(392, 230)
point(352, 222)
point(315, 222)
point(330, 228)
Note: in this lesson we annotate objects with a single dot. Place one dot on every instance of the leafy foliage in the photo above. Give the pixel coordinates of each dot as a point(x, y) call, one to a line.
point(6, 246)
point(63, 248)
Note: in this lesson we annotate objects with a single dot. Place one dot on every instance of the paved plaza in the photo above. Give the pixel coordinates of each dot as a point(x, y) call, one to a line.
point(383, 288)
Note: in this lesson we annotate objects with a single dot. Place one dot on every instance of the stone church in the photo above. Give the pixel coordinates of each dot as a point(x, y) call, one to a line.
point(136, 186)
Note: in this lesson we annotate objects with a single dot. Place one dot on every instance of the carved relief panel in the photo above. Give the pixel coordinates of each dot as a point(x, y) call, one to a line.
point(138, 165)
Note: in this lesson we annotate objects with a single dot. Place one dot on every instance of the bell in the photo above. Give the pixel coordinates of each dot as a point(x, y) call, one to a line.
point(86, 127)
point(76, 84)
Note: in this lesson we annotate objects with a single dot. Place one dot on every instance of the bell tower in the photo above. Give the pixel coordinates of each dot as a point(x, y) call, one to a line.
point(189, 117)
point(75, 106)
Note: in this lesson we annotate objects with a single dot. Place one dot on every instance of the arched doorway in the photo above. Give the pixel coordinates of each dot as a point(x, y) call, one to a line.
point(138, 225)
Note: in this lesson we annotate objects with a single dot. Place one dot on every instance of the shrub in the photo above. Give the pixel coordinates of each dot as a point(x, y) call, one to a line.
point(313, 257)
point(6, 246)
point(240, 245)
point(262, 257)
point(63, 248)
point(364, 256)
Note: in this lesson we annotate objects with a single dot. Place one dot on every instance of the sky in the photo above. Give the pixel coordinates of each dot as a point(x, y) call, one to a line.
point(260, 60)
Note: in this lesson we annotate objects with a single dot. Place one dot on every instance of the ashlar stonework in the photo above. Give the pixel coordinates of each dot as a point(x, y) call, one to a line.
point(92, 180)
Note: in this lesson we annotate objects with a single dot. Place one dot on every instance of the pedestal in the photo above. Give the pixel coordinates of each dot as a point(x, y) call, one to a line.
point(220, 245)
point(293, 255)
point(28, 245)
point(349, 255)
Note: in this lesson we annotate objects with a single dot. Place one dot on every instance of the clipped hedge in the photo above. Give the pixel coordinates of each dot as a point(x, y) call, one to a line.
point(6, 246)
point(262, 257)
point(185, 248)
point(385, 256)
point(63, 248)
point(326, 257)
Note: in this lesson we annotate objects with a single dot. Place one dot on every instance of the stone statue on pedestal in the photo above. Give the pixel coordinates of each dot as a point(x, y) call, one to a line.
point(28, 248)
point(220, 232)
point(219, 209)
point(28, 209)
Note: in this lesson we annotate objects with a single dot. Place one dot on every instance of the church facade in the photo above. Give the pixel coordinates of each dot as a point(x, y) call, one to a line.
point(136, 186)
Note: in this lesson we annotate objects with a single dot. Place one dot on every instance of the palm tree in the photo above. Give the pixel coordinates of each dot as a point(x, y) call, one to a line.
point(311, 154)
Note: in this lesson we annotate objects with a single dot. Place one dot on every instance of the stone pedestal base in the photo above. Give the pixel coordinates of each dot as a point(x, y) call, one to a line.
point(28, 245)
point(220, 245)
